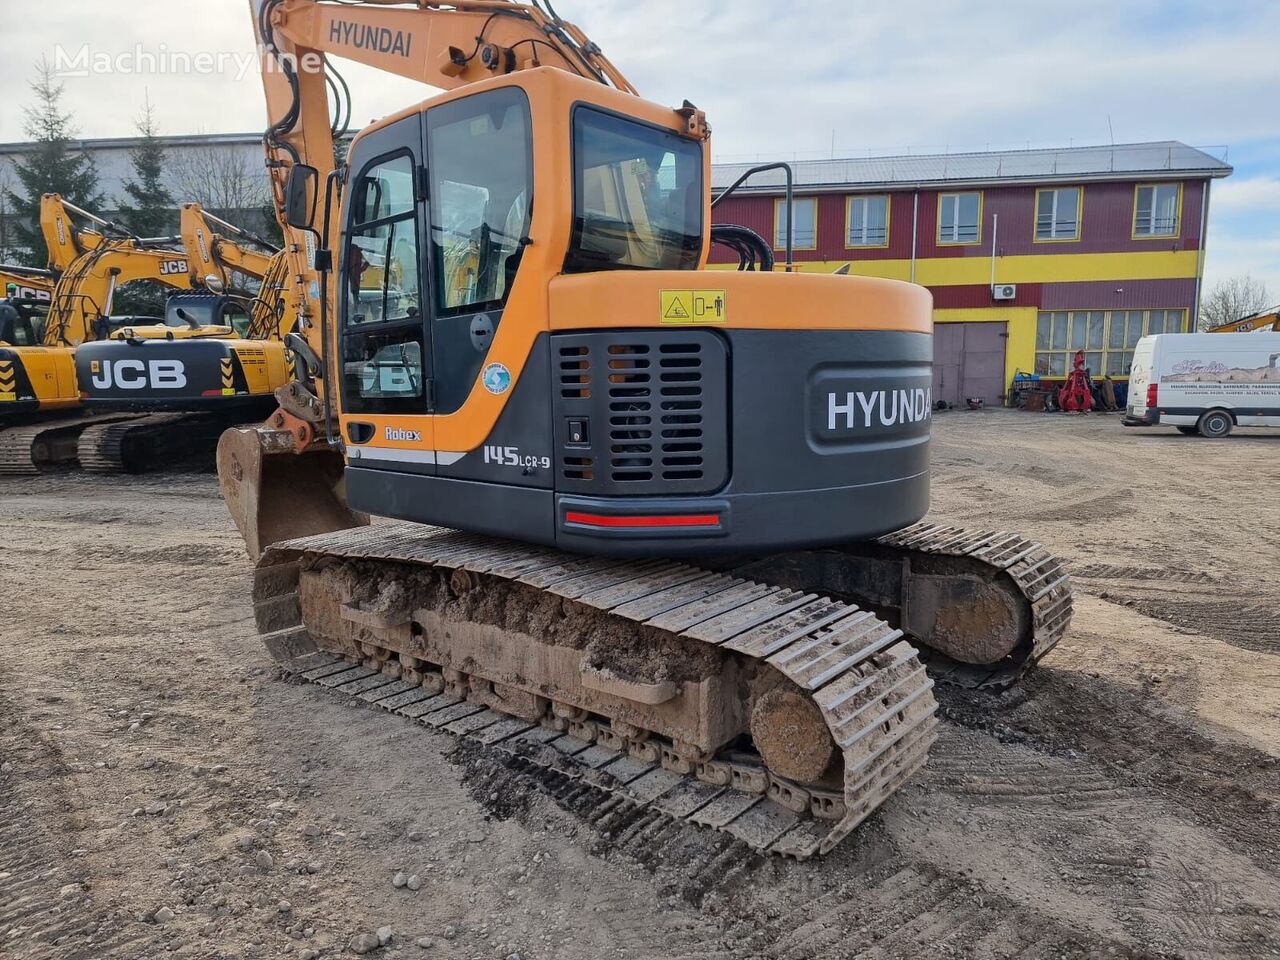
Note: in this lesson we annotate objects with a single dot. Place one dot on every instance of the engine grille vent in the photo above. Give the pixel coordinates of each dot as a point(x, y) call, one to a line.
point(656, 404)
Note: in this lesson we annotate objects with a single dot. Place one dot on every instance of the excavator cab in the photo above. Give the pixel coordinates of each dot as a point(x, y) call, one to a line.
point(526, 343)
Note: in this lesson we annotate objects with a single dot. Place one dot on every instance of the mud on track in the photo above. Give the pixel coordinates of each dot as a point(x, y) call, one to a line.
point(1124, 802)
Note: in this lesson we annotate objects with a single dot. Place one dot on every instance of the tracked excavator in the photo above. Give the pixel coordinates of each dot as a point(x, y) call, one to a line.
point(1265, 321)
point(26, 284)
point(25, 295)
point(224, 369)
point(41, 409)
point(655, 528)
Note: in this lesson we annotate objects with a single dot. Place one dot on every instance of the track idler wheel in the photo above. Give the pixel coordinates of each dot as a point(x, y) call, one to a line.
point(792, 736)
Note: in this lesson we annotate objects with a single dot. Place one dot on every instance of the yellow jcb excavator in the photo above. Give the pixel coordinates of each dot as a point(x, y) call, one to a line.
point(25, 295)
point(517, 352)
point(1265, 321)
point(25, 284)
point(223, 370)
point(41, 409)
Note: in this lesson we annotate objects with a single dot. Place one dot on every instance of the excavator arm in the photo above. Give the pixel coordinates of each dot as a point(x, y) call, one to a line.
point(1267, 321)
point(445, 45)
point(217, 248)
point(89, 266)
point(86, 289)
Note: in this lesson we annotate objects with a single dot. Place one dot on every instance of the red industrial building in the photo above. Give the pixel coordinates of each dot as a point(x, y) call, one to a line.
point(1030, 254)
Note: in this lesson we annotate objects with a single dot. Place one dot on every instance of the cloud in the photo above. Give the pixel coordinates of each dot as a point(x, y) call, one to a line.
point(783, 81)
point(1249, 195)
point(775, 79)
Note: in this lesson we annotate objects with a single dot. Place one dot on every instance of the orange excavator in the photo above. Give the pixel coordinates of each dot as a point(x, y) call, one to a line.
point(656, 527)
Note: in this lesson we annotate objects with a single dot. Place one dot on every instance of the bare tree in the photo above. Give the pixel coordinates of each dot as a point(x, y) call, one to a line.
point(222, 179)
point(7, 253)
point(1233, 299)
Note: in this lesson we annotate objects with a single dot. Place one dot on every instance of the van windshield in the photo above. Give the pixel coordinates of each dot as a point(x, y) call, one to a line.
point(638, 194)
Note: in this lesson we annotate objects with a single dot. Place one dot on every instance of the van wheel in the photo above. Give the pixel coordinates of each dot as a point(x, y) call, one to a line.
point(1189, 431)
point(1215, 424)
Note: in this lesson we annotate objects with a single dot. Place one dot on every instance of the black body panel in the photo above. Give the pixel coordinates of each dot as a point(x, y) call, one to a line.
point(180, 374)
point(820, 436)
point(519, 513)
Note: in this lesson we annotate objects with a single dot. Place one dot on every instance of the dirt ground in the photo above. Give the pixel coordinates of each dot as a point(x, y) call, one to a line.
point(164, 793)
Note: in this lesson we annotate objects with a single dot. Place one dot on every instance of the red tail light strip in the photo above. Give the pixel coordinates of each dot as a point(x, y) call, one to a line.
point(677, 520)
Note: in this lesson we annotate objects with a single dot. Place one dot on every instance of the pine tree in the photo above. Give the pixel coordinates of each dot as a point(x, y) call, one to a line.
point(50, 167)
point(148, 209)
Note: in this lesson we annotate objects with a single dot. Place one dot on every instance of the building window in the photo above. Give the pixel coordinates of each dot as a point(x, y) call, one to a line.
point(1155, 209)
point(1107, 338)
point(804, 219)
point(867, 222)
point(1058, 213)
point(959, 217)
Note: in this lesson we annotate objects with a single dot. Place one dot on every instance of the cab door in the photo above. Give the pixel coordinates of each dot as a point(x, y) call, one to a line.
point(480, 181)
point(385, 345)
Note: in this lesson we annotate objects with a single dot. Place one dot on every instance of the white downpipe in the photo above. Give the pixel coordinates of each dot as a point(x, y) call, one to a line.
point(995, 230)
point(915, 229)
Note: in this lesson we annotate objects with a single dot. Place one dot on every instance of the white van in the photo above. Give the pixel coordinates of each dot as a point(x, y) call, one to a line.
point(1206, 383)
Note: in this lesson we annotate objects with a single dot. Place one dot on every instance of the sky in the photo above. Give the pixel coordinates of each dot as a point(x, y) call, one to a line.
point(818, 78)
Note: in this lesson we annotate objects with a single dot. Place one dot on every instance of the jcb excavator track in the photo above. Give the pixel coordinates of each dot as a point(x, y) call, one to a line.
point(783, 650)
point(149, 442)
point(1039, 576)
point(33, 448)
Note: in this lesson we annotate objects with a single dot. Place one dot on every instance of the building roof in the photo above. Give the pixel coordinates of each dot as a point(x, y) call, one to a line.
point(1166, 159)
point(129, 143)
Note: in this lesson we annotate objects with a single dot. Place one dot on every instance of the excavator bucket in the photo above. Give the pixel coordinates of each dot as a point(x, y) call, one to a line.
point(275, 493)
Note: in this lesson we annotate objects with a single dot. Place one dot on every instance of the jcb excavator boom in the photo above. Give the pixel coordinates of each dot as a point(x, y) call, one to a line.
point(517, 350)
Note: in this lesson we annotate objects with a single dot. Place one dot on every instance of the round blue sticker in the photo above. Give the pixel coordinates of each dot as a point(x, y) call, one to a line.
point(496, 378)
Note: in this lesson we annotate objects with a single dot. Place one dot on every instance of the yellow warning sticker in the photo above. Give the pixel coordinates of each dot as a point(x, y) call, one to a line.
point(693, 306)
point(10, 397)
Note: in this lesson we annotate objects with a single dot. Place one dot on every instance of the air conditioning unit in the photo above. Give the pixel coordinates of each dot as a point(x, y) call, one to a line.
point(1004, 291)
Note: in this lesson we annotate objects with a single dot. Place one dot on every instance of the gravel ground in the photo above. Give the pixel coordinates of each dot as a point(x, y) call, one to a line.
point(164, 793)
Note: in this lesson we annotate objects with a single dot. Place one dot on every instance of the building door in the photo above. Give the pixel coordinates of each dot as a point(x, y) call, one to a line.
point(968, 361)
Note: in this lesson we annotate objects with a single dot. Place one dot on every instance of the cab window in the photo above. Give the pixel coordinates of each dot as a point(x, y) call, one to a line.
point(637, 196)
point(383, 343)
point(481, 187)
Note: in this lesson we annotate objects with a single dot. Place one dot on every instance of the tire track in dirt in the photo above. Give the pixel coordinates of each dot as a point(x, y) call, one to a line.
point(1232, 788)
point(1249, 625)
point(47, 907)
point(1097, 832)
point(1112, 571)
point(1175, 828)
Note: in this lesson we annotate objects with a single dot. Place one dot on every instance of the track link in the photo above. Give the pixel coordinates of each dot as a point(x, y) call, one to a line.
point(33, 448)
point(865, 680)
point(983, 606)
point(149, 442)
point(1040, 578)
